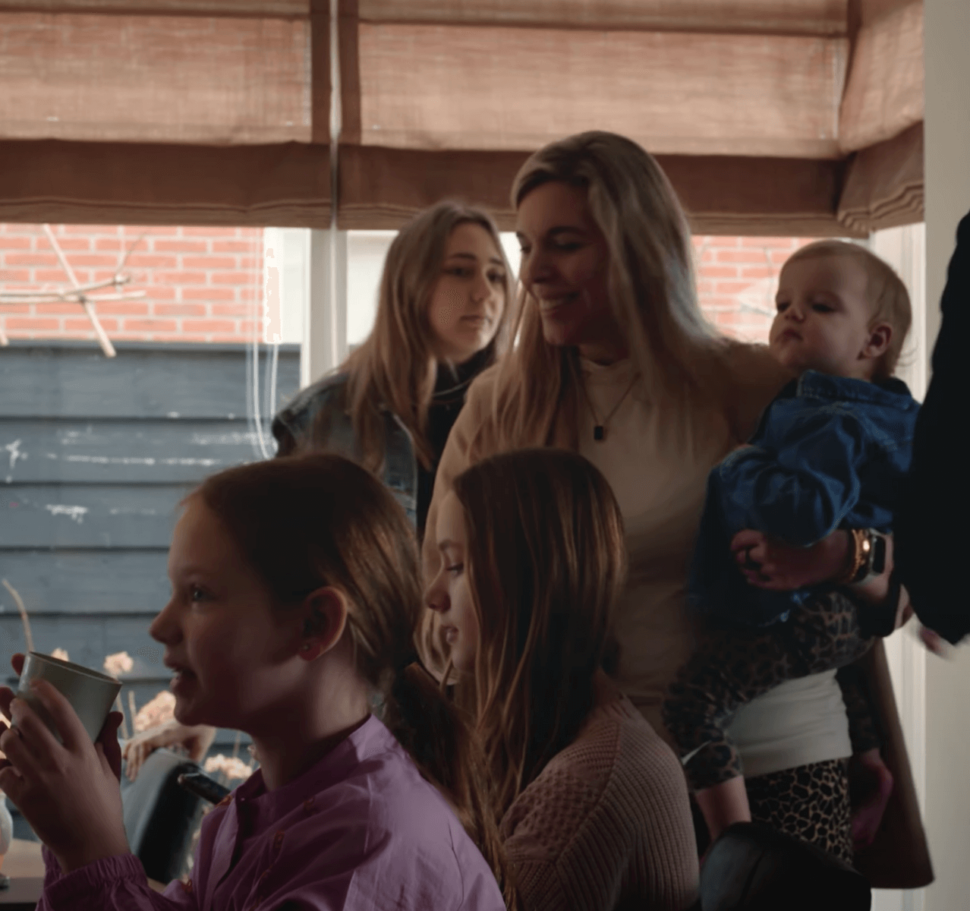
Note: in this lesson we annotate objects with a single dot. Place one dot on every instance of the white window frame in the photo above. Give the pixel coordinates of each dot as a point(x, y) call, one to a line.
point(905, 250)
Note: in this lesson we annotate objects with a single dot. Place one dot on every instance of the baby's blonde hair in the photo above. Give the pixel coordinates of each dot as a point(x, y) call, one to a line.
point(885, 289)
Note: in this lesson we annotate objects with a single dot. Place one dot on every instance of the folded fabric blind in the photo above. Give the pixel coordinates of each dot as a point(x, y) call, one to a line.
point(771, 116)
point(881, 121)
point(165, 111)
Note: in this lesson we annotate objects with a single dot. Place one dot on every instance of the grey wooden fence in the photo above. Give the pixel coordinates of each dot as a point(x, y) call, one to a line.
point(95, 455)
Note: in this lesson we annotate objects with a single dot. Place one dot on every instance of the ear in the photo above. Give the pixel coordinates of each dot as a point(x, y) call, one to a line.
point(878, 342)
point(324, 613)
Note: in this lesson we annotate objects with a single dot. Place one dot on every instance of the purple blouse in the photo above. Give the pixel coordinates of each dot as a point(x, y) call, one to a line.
point(360, 830)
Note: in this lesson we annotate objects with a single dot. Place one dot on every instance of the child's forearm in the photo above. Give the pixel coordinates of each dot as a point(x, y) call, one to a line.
point(723, 805)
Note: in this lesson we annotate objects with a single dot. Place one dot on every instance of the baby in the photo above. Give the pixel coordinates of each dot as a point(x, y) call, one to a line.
point(830, 453)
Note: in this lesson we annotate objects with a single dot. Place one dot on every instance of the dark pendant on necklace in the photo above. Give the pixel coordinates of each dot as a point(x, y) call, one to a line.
point(599, 433)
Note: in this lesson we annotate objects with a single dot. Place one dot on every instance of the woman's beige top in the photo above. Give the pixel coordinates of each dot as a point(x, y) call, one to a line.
point(656, 456)
point(607, 823)
point(657, 460)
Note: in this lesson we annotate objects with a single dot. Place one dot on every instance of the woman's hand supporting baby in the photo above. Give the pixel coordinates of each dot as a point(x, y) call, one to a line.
point(772, 564)
point(67, 792)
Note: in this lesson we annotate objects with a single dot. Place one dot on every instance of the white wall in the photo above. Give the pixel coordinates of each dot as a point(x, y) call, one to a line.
point(904, 249)
point(947, 683)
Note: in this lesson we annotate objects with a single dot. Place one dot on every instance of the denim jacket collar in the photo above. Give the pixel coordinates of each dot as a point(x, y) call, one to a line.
point(891, 393)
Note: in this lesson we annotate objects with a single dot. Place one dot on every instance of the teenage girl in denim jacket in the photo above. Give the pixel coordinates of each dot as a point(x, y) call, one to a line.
point(441, 317)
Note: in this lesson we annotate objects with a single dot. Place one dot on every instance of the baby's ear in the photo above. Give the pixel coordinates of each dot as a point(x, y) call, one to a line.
point(880, 337)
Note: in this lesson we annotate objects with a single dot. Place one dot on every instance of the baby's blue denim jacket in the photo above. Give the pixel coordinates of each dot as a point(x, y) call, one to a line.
point(319, 412)
point(830, 452)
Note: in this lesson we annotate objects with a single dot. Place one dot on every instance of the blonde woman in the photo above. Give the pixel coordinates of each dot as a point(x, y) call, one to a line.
point(442, 317)
point(614, 360)
point(592, 804)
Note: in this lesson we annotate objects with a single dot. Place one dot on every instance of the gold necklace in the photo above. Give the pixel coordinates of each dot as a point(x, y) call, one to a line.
point(599, 428)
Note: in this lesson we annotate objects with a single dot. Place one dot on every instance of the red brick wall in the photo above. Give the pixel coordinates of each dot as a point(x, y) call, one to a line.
point(205, 284)
point(737, 278)
point(200, 284)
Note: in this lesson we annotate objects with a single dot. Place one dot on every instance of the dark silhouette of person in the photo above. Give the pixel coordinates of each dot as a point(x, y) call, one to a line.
point(932, 533)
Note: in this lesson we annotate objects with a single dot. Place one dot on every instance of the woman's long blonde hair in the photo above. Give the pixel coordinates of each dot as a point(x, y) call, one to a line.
point(395, 368)
point(651, 286)
point(546, 562)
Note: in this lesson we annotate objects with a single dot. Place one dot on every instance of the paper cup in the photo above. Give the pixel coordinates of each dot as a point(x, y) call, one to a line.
point(90, 693)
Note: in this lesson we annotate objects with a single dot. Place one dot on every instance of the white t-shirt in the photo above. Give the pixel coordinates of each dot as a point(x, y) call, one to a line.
point(798, 722)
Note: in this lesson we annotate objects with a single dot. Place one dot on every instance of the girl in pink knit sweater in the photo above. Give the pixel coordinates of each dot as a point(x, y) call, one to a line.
point(592, 804)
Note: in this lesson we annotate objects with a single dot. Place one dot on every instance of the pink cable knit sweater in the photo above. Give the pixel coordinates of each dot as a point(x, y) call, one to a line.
point(606, 824)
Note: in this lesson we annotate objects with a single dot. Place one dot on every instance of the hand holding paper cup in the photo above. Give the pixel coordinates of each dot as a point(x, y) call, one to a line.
point(90, 693)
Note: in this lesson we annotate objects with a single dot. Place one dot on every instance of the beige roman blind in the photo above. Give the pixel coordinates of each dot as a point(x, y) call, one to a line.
point(770, 116)
point(881, 120)
point(165, 111)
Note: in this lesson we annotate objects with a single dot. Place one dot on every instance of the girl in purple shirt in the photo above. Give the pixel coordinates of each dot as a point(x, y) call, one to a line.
point(295, 597)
